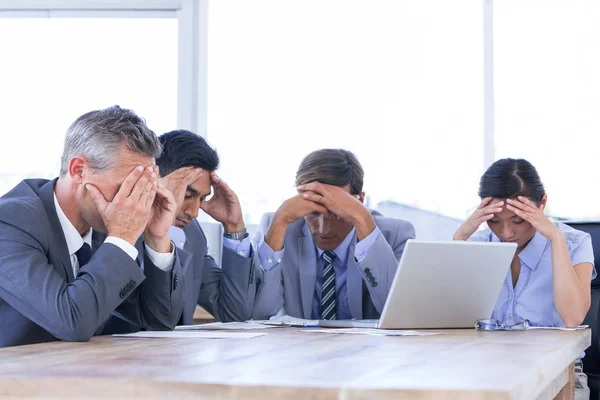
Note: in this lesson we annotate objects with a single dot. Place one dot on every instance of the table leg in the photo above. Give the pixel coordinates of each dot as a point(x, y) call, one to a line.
point(568, 391)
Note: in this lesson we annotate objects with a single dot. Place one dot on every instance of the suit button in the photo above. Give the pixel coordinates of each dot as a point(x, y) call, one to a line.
point(368, 271)
point(175, 282)
point(127, 289)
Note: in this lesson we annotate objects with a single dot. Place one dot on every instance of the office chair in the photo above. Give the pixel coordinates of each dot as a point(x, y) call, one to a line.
point(591, 362)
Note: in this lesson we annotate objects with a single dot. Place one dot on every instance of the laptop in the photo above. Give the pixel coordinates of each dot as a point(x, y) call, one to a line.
point(441, 285)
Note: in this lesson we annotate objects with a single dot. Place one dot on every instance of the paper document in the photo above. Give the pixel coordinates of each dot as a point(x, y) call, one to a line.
point(224, 326)
point(373, 332)
point(286, 320)
point(193, 335)
point(579, 328)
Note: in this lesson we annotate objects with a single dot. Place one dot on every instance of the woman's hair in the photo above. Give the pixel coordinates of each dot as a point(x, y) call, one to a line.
point(508, 178)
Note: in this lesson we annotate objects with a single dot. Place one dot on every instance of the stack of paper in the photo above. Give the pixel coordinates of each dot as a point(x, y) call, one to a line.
point(373, 332)
point(192, 335)
point(224, 326)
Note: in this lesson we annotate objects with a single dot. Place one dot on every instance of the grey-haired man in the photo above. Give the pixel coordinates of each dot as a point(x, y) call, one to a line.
point(69, 249)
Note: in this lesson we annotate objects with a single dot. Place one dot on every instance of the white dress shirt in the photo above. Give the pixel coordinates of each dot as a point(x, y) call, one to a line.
point(164, 261)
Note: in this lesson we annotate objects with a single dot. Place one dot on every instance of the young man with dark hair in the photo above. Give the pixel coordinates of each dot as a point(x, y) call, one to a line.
point(323, 254)
point(187, 169)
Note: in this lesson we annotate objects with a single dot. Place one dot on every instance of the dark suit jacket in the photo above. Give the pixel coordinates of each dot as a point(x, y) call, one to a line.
point(41, 300)
point(226, 292)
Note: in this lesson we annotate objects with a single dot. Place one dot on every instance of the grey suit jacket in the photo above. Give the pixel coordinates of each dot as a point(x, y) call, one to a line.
point(40, 299)
point(291, 284)
point(227, 292)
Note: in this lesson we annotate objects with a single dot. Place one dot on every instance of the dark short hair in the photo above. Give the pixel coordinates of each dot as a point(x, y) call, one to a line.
point(335, 167)
point(97, 135)
point(509, 177)
point(183, 148)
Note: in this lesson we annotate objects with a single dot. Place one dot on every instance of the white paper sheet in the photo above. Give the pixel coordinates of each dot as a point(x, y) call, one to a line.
point(224, 326)
point(556, 328)
point(286, 320)
point(373, 332)
point(193, 335)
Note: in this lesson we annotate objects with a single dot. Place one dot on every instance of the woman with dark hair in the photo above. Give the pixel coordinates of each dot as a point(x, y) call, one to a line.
point(550, 275)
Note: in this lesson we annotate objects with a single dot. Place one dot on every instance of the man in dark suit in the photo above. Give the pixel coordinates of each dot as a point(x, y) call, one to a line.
point(187, 168)
point(323, 254)
point(67, 246)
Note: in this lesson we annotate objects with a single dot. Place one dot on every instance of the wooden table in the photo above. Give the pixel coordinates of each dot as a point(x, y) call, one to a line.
point(289, 364)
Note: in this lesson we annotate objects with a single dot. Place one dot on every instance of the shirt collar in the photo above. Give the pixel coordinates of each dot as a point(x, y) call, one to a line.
point(341, 252)
point(72, 236)
point(532, 253)
point(177, 235)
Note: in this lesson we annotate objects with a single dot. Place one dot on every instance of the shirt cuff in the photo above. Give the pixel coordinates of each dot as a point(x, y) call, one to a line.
point(163, 261)
point(242, 248)
point(123, 245)
point(364, 246)
point(268, 258)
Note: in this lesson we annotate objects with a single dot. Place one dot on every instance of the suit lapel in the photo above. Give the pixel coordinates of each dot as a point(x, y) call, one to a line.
point(139, 245)
point(192, 239)
point(58, 236)
point(307, 269)
point(354, 281)
point(97, 240)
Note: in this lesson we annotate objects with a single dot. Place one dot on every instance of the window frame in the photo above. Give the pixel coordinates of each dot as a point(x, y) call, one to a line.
point(192, 16)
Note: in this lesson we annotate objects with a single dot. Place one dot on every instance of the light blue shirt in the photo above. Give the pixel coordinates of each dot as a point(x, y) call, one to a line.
point(269, 260)
point(532, 298)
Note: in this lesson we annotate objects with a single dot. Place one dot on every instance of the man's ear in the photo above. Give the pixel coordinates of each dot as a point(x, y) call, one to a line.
point(544, 202)
point(78, 166)
point(361, 197)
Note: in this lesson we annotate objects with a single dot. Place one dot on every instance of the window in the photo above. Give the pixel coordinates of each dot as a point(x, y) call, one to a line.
point(398, 83)
point(53, 70)
point(546, 61)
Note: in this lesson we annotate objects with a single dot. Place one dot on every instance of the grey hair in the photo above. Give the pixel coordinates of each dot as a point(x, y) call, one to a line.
point(97, 135)
point(335, 167)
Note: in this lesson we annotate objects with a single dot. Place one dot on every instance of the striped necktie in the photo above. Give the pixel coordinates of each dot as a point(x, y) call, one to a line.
point(328, 308)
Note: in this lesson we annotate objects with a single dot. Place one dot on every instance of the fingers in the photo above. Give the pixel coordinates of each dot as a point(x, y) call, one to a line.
point(493, 208)
point(485, 202)
point(184, 174)
point(524, 203)
point(146, 192)
point(316, 203)
point(518, 212)
point(488, 211)
point(485, 218)
point(314, 197)
point(315, 187)
point(192, 175)
point(216, 180)
point(220, 186)
point(161, 197)
point(97, 197)
point(142, 186)
point(516, 204)
point(205, 205)
point(129, 182)
point(149, 200)
point(316, 207)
